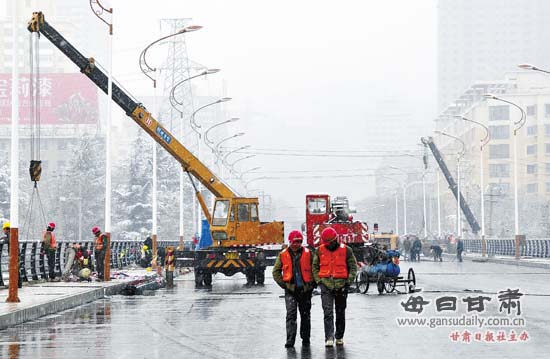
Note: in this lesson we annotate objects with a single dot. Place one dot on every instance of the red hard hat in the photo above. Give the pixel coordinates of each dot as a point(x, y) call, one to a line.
point(95, 230)
point(328, 234)
point(51, 225)
point(295, 236)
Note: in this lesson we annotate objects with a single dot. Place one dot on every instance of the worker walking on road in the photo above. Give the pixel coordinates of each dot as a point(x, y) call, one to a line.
point(292, 272)
point(100, 248)
point(334, 269)
point(50, 245)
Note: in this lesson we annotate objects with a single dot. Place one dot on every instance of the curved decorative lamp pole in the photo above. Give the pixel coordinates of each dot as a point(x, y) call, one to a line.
point(210, 143)
point(147, 69)
point(144, 66)
point(217, 146)
point(519, 124)
point(483, 142)
point(173, 101)
point(195, 125)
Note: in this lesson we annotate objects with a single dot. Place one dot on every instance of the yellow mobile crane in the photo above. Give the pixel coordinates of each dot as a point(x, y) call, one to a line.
point(237, 232)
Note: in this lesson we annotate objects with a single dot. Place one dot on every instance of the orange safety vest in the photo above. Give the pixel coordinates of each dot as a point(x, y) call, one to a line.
point(53, 243)
point(333, 264)
point(99, 242)
point(305, 265)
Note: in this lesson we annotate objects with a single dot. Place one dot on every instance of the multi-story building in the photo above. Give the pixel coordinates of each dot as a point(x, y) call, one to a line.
point(531, 92)
point(479, 40)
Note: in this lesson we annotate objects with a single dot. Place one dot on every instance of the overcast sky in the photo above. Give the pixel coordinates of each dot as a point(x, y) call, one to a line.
point(303, 75)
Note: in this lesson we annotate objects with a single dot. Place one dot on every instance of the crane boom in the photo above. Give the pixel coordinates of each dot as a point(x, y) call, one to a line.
point(133, 109)
point(452, 184)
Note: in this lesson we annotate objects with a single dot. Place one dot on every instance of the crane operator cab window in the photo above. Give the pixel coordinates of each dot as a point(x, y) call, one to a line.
point(220, 213)
point(243, 212)
point(254, 212)
point(317, 206)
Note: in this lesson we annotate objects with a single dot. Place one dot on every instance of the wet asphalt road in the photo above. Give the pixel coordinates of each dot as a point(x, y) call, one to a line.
point(231, 321)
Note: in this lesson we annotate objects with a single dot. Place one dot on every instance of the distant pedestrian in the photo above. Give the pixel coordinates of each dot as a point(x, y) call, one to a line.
point(334, 269)
point(459, 248)
point(292, 272)
point(436, 252)
point(100, 248)
point(406, 248)
point(50, 246)
point(416, 250)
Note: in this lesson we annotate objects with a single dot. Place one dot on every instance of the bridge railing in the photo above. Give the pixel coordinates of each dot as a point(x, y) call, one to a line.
point(535, 247)
point(33, 264)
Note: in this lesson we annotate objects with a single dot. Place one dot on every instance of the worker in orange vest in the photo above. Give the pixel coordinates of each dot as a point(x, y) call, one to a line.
point(100, 248)
point(292, 272)
point(50, 245)
point(334, 269)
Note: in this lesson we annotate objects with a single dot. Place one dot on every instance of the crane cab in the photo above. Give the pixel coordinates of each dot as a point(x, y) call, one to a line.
point(235, 222)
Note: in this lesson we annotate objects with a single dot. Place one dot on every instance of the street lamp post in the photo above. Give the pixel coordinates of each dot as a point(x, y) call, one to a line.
point(174, 102)
point(195, 126)
point(459, 156)
point(519, 124)
point(217, 150)
point(211, 143)
point(404, 199)
point(172, 96)
point(224, 161)
point(147, 69)
point(396, 204)
point(483, 142)
point(99, 13)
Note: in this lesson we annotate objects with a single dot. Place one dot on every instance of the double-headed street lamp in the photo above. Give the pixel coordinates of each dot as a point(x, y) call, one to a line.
point(519, 124)
point(483, 142)
point(459, 156)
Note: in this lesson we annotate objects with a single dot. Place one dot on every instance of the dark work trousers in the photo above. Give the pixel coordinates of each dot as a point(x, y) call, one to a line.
point(331, 299)
point(51, 263)
point(295, 301)
point(100, 262)
point(459, 255)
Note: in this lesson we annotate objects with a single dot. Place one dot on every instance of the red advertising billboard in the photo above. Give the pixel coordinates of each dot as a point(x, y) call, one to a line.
point(64, 99)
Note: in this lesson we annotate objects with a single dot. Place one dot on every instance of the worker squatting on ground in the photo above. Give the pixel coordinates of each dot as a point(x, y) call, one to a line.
point(77, 263)
point(50, 245)
point(100, 248)
point(292, 272)
point(334, 269)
